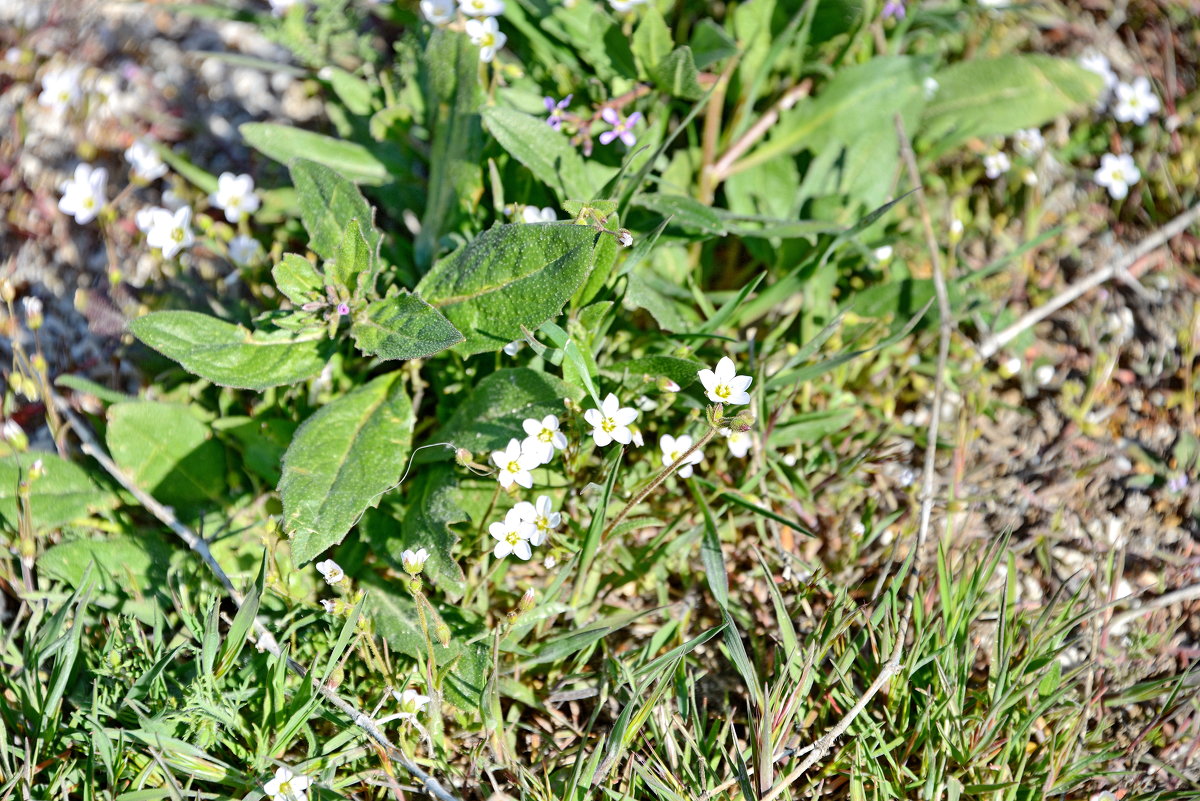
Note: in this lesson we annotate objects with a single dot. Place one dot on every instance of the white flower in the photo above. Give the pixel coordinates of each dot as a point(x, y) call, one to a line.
point(1117, 174)
point(512, 347)
point(278, 7)
point(61, 89)
point(931, 86)
point(438, 12)
point(541, 516)
point(287, 786)
point(1029, 142)
point(550, 562)
point(996, 164)
point(738, 441)
point(487, 36)
point(532, 214)
point(329, 606)
point(883, 254)
point(1010, 367)
point(724, 385)
point(1094, 61)
point(611, 421)
point(789, 459)
point(235, 195)
point(1135, 102)
point(1044, 374)
point(515, 463)
point(144, 160)
point(956, 229)
point(675, 447)
point(544, 438)
point(481, 8)
point(83, 195)
point(414, 561)
point(1104, 795)
point(244, 250)
point(625, 5)
point(170, 232)
point(1028, 177)
point(512, 536)
point(331, 571)
point(144, 218)
point(412, 703)
point(635, 436)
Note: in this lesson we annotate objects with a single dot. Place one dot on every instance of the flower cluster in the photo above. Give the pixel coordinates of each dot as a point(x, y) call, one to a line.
point(480, 22)
point(525, 526)
point(1133, 102)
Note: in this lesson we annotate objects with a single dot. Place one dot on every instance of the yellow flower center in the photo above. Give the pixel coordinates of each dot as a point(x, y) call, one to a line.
point(487, 40)
point(285, 789)
point(513, 467)
point(546, 435)
point(607, 425)
point(512, 538)
point(177, 234)
point(673, 456)
point(89, 203)
point(722, 391)
point(541, 523)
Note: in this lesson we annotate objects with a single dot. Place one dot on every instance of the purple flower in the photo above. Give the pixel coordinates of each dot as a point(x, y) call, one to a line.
point(1177, 484)
point(343, 309)
point(555, 120)
point(894, 8)
point(621, 128)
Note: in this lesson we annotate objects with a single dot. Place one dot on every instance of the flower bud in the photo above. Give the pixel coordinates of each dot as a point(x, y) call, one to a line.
point(8, 292)
point(625, 237)
point(667, 385)
point(313, 305)
point(463, 457)
point(12, 433)
point(527, 601)
point(33, 312)
point(442, 632)
point(742, 421)
point(714, 414)
point(36, 470)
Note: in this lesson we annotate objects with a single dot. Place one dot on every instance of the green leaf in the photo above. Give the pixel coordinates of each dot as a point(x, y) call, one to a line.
point(432, 509)
point(355, 93)
point(167, 452)
point(493, 412)
point(579, 367)
point(284, 143)
point(298, 280)
point(544, 151)
point(651, 41)
point(328, 202)
point(681, 371)
point(997, 96)
point(353, 260)
point(133, 565)
point(677, 75)
point(231, 355)
point(649, 292)
point(508, 277)
point(684, 212)
point(63, 493)
point(402, 327)
point(341, 461)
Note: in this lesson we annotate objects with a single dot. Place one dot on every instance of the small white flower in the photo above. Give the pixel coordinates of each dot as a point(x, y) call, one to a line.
point(1010, 367)
point(331, 571)
point(412, 703)
point(1028, 177)
point(931, 86)
point(611, 422)
point(512, 536)
point(32, 306)
point(144, 161)
point(789, 459)
point(956, 229)
point(244, 250)
point(675, 447)
point(625, 5)
point(481, 8)
point(645, 403)
point(625, 238)
point(1029, 142)
point(635, 436)
point(414, 561)
point(1117, 174)
point(541, 516)
point(487, 36)
point(883, 254)
point(287, 786)
point(438, 12)
point(996, 164)
point(170, 232)
point(144, 218)
point(329, 606)
point(83, 195)
point(532, 214)
point(513, 347)
point(544, 438)
point(1135, 102)
point(515, 463)
point(11, 431)
point(724, 385)
point(550, 562)
point(61, 88)
point(1044, 374)
point(739, 442)
point(279, 7)
point(1104, 795)
point(1094, 61)
point(235, 196)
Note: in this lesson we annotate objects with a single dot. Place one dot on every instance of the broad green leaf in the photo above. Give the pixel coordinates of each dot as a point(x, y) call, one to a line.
point(167, 452)
point(341, 461)
point(353, 260)
point(230, 355)
point(402, 327)
point(681, 371)
point(651, 41)
point(544, 151)
point(493, 412)
point(135, 565)
point(451, 72)
point(284, 143)
point(604, 257)
point(508, 277)
point(649, 292)
point(677, 75)
point(298, 280)
point(997, 96)
point(684, 212)
point(328, 202)
point(63, 493)
point(355, 93)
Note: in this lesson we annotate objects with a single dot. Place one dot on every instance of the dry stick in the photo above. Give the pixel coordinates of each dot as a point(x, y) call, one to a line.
point(266, 640)
point(726, 165)
point(1118, 268)
point(821, 747)
point(1179, 596)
